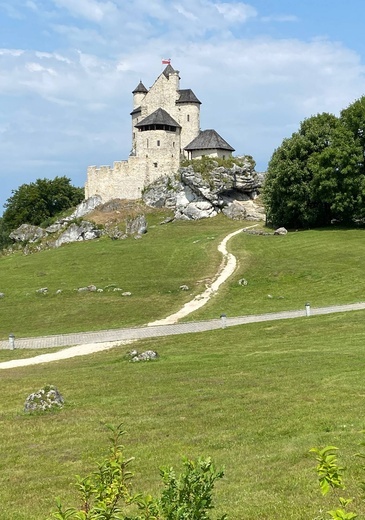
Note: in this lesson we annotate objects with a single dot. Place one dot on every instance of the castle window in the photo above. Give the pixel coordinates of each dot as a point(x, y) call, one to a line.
point(173, 144)
point(188, 117)
point(158, 143)
point(224, 157)
point(155, 164)
point(147, 143)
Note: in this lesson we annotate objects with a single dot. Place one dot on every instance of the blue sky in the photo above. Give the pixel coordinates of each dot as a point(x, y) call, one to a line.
point(68, 67)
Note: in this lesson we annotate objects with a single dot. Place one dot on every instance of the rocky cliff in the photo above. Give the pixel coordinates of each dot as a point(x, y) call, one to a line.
point(205, 188)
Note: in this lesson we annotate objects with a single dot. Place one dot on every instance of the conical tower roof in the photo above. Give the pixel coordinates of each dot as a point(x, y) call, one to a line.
point(140, 88)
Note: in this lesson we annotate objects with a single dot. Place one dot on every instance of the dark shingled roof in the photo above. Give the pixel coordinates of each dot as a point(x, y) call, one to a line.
point(168, 70)
point(159, 117)
point(187, 96)
point(207, 140)
point(140, 88)
point(136, 111)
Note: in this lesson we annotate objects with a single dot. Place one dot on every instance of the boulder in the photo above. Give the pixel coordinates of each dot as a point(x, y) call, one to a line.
point(281, 231)
point(54, 228)
point(78, 232)
point(85, 207)
point(196, 211)
point(136, 226)
point(89, 288)
point(45, 399)
point(2, 295)
point(236, 211)
point(148, 355)
point(28, 233)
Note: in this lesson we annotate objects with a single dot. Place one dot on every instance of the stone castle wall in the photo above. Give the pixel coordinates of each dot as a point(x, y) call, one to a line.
point(197, 154)
point(127, 179)
point(154, 152)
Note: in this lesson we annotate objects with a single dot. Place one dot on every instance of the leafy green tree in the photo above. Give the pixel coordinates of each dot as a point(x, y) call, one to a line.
point(289, 192)
point(353, 118)
point(318, 174)
point(38, 201)
point(4, 234)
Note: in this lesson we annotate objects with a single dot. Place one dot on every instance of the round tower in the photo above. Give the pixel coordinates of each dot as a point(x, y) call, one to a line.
point(138, 94)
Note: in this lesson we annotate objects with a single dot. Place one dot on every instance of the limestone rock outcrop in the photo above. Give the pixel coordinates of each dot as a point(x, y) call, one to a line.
point(78, 232)
point(45, 399)
point(136, 226)
point(85, 207)
point(28, 233)
point(196, 193)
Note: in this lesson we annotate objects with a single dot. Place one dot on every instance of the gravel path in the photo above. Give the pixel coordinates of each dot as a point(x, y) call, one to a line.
point(89, 342)
point(84, 343)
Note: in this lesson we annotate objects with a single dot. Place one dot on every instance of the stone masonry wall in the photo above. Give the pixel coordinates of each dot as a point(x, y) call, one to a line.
point(223, 154)
point(156, 152)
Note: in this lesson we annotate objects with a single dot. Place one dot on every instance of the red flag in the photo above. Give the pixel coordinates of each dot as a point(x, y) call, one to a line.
point(166, 61)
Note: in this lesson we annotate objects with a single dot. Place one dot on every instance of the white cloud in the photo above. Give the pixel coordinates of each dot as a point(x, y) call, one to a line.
point(11, 52)
point(89, 9)
point(236, 12)
point(67, 103)
point(36, 67)
point(187, 14)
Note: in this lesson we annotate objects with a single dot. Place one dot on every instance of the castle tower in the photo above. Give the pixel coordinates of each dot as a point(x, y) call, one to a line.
point(138, 94)
point(188, 116)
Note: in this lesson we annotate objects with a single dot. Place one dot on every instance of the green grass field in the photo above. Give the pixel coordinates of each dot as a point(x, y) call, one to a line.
point(255, 398)
point(152, 269)
point(320, 267)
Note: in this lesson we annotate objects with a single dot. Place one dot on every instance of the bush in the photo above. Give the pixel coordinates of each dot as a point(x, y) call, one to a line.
point(106, 494)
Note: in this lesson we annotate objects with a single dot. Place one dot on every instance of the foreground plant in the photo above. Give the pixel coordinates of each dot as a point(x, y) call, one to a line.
point(106, 493)
point(330, 476)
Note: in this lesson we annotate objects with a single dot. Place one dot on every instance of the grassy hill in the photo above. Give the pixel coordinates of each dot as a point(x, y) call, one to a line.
point(322, 267)
point(255, 398)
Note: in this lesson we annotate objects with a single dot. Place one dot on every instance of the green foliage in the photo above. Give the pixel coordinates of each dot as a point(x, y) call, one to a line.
point(106, 494)
point(329, 473)
point(4, 234)
point(39, 201)
point(330, 476)
point(206, 164)
point(317, 175)
point(189, 496)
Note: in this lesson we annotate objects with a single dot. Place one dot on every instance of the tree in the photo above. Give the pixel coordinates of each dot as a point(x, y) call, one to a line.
point(318, 174)
point(38, 201)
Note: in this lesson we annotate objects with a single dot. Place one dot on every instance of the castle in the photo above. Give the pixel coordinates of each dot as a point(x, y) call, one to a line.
point(165, 129)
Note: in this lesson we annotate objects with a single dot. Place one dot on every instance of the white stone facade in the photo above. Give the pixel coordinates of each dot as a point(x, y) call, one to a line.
point(167, 120)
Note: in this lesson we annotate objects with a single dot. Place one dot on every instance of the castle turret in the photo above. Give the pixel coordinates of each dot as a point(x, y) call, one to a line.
point(138, 94)
point(188, 112)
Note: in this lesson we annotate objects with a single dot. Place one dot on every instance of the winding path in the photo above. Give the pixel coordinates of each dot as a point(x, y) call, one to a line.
point(229, 265)
point(89, 342)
